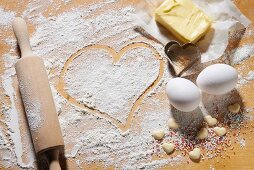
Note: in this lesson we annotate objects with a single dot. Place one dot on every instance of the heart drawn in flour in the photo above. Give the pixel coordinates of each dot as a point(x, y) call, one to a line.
point(181, 57)
point(111, 84)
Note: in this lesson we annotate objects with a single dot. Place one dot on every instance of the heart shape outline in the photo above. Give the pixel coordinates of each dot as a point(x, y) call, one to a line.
point(116, 57)
point(189, 58)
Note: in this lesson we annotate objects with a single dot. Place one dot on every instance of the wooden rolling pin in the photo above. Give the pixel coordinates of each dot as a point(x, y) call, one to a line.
point(37, 99)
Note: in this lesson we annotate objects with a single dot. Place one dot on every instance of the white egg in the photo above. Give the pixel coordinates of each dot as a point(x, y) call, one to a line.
point(217, 79)
point(183, 94)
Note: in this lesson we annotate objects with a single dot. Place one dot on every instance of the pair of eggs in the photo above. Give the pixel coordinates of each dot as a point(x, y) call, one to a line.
point(216, 79)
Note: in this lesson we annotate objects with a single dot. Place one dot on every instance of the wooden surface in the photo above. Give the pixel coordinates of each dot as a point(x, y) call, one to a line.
point(239, 158)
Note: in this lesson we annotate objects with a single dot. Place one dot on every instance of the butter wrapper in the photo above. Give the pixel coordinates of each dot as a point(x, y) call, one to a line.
point(225, 17)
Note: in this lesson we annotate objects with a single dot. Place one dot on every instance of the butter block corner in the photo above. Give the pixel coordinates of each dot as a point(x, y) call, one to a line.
point(183, 19)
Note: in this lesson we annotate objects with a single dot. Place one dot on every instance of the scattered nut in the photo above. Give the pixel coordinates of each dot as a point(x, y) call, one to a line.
point(220, 131)
point(210, 120)
point(195, 154)
point(203, 133)
point(168, 147)
point(234, 108)
point(158, 135)
point(172, 124)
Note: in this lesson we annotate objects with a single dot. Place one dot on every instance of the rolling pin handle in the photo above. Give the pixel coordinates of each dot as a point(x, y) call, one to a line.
point(54, 165)
point(20, 30)
point(54, 160)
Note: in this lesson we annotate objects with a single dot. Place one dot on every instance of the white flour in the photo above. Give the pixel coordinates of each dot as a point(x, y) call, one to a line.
point(242, 80)
point(89, 138)
point(33, 109)
point(33, 115)
point(241, 53)
point(89, 81)
point(6, 17)
point(13, 119)
point(250, 76)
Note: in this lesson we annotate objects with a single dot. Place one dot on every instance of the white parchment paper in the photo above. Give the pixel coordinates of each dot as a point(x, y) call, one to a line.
point(225, 15)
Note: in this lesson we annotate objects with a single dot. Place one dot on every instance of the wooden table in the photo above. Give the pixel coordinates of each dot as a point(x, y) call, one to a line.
point(240, 158)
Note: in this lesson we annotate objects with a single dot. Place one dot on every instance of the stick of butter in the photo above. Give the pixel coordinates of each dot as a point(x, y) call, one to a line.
point(183, 19)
